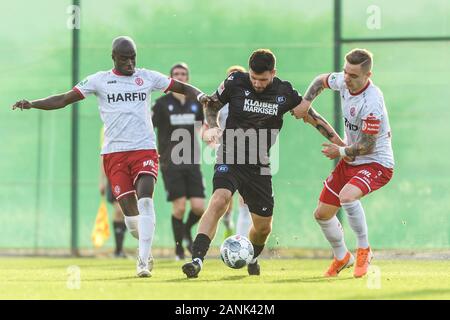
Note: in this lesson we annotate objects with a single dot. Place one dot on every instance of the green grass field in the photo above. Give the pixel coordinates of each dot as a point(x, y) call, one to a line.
point(48, 278)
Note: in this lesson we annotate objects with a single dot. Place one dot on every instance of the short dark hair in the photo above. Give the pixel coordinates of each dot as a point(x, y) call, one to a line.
point(181, 65)
point(262, 60)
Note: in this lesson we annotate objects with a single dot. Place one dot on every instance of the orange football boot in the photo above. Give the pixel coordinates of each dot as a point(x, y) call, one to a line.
point(338, 265)
point(363, 258)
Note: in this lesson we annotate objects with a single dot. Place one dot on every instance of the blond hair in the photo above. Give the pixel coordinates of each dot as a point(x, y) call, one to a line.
point(235, 68)
point(362, 57)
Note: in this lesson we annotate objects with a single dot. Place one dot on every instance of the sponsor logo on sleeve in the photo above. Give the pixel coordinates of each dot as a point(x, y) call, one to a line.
point(371, 125)
point(82, 83)
point(332, 78)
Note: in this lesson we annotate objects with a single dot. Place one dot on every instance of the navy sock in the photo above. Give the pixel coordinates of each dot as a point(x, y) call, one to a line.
point(119, 234)
point(178, 228)
point(257, 250)
point(200, 246)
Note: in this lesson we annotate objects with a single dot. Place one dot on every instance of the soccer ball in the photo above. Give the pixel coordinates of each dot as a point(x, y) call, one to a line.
point(236, 251)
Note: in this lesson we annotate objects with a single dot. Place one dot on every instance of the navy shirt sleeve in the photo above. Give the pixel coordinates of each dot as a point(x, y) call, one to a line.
point(200, 116)
point(293, 97)
point(156, 114)
point(224, 89)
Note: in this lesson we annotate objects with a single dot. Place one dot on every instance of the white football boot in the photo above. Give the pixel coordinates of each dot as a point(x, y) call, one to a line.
point(142, 268)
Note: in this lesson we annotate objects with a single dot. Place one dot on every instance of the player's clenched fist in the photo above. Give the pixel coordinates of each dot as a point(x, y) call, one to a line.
point(331, 151)
point(212, 135)
point(203, 98)
point(301, 110)
point(22, 104)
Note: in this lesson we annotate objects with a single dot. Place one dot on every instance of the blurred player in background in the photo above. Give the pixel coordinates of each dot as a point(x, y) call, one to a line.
point(244, 220)
point(368, 135)
point(119, 226)
point(182, 181)
point(257, 102)
point(129, 149)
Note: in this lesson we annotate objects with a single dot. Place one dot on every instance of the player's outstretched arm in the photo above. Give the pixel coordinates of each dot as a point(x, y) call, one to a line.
point(189, 90)
point(50, 103)
point(314, 89)
point(322, 125)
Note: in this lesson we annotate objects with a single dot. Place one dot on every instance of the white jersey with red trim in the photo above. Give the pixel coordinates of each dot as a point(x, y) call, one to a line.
point(365, 112)
point(124, 107)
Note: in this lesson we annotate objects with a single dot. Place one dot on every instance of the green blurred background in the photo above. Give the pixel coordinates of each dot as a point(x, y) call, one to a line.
point(411, 212)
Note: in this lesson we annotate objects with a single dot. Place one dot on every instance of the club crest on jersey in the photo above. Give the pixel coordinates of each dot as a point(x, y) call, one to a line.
point(352, 111)
point(117, 190)
point(170, 107)
point(281, 99)
point(139, 81)
point(194, 108)
point(223, 168)
point(246, 92)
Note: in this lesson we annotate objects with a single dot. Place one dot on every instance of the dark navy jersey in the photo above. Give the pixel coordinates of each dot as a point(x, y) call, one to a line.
point(169, 115)
point(257, 117)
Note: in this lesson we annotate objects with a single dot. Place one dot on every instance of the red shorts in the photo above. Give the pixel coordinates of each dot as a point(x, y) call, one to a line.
point(367, 177)
point(123, 169)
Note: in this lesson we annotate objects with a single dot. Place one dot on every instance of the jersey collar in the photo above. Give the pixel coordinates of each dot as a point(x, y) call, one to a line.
point(118, 73)
point(362, 90)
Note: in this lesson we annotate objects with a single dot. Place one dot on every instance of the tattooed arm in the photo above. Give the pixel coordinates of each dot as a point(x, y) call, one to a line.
point(364, 146)
point(188, 90)
point(211, 110)
point(322, 125)
point(314, 89)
